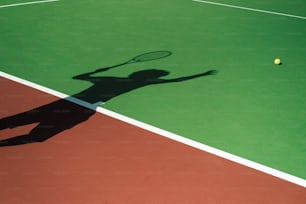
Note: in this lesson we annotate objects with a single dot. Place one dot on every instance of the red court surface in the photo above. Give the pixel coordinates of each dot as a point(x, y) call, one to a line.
point(106, 161)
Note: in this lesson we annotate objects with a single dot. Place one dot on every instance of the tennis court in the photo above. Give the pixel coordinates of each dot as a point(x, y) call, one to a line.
point(152, 101)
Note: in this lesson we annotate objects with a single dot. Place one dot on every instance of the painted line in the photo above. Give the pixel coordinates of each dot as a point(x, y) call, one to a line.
point(164, 133)
point(250, 9)
point(27, 3)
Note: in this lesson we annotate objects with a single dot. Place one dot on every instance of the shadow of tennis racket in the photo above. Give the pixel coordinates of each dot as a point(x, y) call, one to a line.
point(149, 56)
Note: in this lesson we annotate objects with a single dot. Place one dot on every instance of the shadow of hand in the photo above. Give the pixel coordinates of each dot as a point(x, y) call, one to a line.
point(211, 72)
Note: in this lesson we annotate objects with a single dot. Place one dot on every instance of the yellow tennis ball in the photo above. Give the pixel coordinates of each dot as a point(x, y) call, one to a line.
point(277, 61)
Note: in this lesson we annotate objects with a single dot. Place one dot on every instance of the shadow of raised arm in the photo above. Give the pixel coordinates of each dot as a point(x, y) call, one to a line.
point(87, 76)
point(210, 72)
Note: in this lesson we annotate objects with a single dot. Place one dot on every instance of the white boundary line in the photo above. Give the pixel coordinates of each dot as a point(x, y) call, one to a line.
point(27, 3)
point(250, 9)
point(164, 133)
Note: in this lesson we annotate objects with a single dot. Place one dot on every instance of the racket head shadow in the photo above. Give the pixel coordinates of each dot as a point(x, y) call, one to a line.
point(149, 56)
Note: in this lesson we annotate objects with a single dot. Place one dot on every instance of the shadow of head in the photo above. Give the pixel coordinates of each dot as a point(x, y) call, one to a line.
point(148, 74)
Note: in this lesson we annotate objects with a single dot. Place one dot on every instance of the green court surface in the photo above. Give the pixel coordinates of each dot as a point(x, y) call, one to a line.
point(251, 107)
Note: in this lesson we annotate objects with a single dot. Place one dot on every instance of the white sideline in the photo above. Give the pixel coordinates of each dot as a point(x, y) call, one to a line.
point(164, 133)
point(250, 9)
point(26, 3)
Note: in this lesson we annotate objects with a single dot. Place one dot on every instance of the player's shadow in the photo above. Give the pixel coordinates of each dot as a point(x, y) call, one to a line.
point(62, 114)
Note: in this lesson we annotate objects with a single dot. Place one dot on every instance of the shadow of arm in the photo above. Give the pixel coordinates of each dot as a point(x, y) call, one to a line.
point(180, 79)
point(87, 76)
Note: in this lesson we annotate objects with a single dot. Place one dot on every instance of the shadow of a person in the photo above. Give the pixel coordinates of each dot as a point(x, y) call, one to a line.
point(62, 114)
point(52, 119)
point(106, 88)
